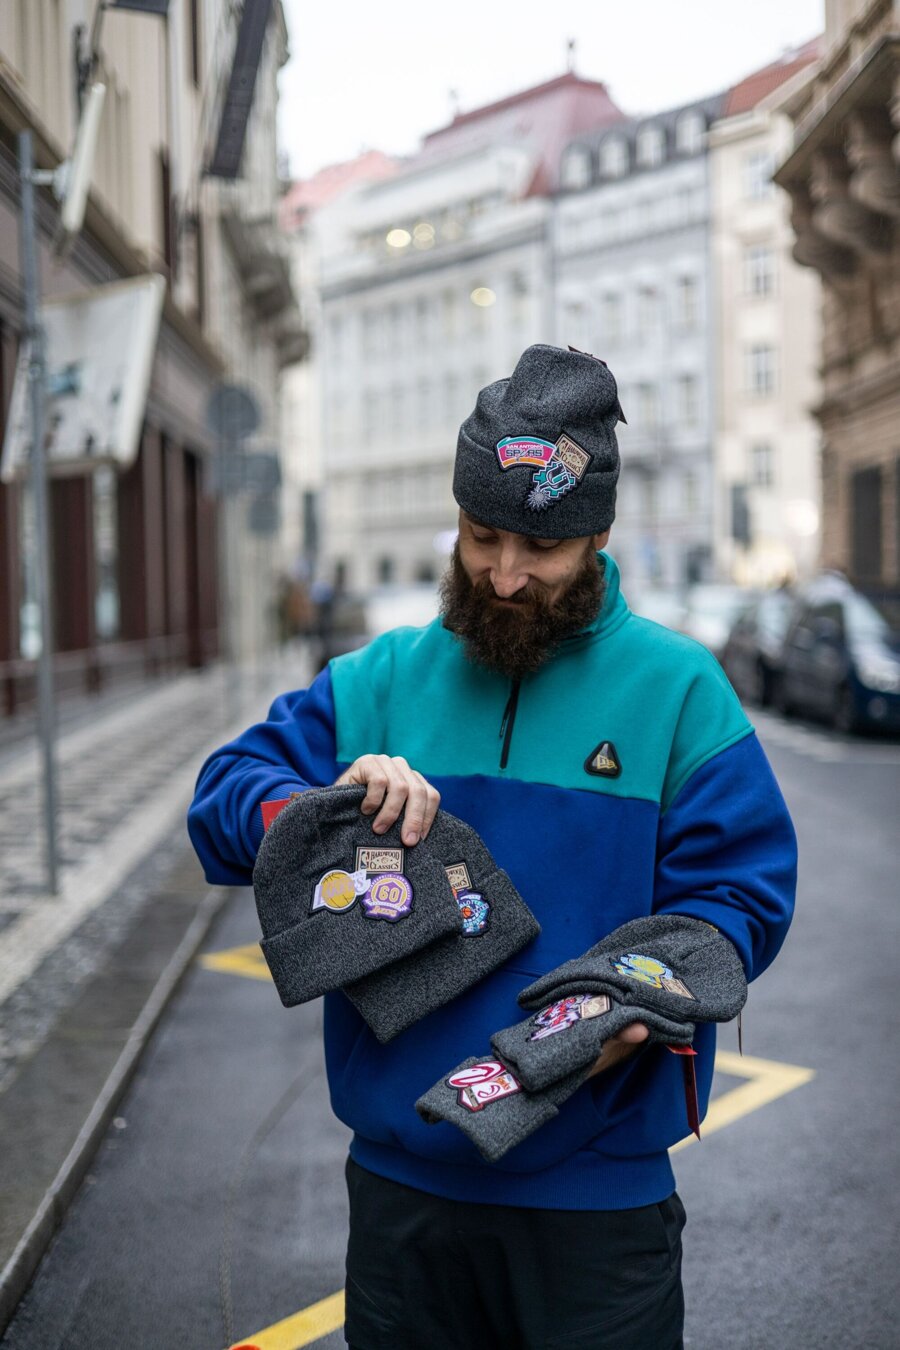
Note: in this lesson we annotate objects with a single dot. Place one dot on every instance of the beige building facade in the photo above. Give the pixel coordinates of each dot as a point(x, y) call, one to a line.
point(843, 177)
point(136, 573)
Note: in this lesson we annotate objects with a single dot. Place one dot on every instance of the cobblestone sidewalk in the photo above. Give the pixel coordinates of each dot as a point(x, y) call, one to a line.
point(125, 781)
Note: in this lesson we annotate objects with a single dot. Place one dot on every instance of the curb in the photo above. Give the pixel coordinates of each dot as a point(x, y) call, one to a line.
point(22, 1265)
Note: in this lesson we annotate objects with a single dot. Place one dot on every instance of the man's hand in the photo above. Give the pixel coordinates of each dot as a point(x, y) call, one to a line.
point(392, 785)
point(620, 1047)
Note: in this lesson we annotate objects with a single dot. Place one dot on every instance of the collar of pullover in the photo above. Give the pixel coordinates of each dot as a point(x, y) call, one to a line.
point(613, 612)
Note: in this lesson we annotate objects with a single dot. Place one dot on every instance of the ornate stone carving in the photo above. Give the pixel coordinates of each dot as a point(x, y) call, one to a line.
point(874, 177)
point(836, 214)
point(812, 249)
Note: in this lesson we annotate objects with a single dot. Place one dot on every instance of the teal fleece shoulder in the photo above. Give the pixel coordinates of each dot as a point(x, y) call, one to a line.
point(661, 698)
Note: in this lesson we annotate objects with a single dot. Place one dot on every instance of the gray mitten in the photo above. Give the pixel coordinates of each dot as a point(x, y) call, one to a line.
point(568, 1035)
point(677, 966)
point(488, 1103)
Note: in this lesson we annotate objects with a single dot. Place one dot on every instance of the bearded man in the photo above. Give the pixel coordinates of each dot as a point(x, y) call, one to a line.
point(611, 771)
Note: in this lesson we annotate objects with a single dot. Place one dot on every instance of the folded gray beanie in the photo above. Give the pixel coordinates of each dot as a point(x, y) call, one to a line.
point(485, 1100)
point(569, 1035)
point(672, 964)
point(539, 456)
point(337, 902)
point(496, 924)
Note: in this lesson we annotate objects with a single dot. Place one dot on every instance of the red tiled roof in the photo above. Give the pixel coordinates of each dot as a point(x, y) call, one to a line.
point(308, 194)
point(749, 92)
point(543, 118)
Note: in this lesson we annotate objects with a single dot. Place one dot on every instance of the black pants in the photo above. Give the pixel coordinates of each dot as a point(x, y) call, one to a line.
point(425, 1273)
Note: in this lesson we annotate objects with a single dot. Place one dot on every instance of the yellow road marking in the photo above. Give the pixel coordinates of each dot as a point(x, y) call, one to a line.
point(768, 1081)
point(247, 961)
point(303, 1327)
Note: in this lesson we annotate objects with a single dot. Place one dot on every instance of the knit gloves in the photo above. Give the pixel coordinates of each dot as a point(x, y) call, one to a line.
point(486, 1101)
point(667, 972)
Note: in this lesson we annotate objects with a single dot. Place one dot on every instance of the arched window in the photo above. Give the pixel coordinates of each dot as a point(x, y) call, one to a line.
point(689, 131)
point(651, 147)
point(614, 157)
point(576, 167)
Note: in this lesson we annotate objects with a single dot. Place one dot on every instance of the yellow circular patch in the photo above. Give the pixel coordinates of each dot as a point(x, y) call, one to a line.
point(336, 890)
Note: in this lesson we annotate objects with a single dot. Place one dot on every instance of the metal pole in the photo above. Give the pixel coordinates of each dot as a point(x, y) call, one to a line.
point(34, 335)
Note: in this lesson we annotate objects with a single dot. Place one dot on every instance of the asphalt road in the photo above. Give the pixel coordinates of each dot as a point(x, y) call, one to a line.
point(226, 1154)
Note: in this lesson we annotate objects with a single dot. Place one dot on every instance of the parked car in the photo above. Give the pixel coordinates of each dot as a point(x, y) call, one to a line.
point(752, 653)
point(841, 656)
point(710, 610)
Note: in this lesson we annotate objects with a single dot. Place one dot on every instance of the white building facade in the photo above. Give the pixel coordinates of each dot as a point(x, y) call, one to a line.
point(633, 285)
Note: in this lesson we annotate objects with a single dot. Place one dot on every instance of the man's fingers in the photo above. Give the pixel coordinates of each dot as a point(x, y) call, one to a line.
point(432, 802)
point(395, 797)
point(633, 1034)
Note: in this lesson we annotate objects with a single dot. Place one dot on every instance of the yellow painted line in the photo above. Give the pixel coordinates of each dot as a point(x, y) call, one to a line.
point(302, 1328)
point(768, 1080)
point(247, 961)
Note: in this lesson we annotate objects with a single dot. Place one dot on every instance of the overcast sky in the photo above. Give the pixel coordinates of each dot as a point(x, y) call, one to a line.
point(378, 75)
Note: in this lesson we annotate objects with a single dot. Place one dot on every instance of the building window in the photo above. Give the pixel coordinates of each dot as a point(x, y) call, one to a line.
point(760, 370)
point(762, 468)
point(650, 147)
point(611, 306)
point(106, 594)
point(648, 406)
point(759, 270)
point(688, 400)
point(576, 167)
point(385, 571)
point(451, 397)
point(691, 495)
point(689, 132)
point(614, 157)
point(758, 169)
point(687, 309)
point(648, 310)
point(865, 523)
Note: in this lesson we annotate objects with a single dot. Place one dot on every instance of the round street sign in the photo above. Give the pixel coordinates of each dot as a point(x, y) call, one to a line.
point(232, 412)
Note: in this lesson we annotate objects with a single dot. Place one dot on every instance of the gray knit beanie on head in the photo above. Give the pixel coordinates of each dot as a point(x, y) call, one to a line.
point(539, 455)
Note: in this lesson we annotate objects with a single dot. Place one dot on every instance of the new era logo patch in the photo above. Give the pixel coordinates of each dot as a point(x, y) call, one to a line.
point(603, 761)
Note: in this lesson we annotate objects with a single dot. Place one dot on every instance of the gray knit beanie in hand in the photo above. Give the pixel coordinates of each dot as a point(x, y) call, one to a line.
point(496, 923)
point(678, 966)
point(485, 1100)
point(570, 1033)
point(337, 902)
point(539, 456)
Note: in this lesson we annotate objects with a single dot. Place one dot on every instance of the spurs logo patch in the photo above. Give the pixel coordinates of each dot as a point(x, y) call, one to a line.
point(566, 1012)
point(388, 897)
point(559, 467)
point(649, 970)
point(603, 761)
point(483, 1083)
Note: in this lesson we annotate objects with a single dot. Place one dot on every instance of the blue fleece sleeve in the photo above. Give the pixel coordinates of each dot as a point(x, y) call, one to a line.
point(292, 750)
point(727, 853)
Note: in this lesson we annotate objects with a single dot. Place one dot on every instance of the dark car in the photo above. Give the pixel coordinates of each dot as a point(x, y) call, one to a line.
point(841, 657)
point(752, 655)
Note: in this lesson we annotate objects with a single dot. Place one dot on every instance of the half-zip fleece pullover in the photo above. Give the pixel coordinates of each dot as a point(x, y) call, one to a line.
point(693, 823)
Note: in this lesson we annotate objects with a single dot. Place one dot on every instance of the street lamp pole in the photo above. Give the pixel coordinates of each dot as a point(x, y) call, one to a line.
point(34, 336)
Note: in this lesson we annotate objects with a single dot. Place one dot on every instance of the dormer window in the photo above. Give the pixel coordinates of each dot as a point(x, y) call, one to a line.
point(576, 167)
point(689, 132)
point(614, 157)
point(651, 147)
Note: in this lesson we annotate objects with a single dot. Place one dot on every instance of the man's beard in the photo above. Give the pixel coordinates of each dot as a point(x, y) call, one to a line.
point(515, 639)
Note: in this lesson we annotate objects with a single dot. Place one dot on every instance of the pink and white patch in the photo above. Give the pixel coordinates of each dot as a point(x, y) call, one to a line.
point(483, 1083)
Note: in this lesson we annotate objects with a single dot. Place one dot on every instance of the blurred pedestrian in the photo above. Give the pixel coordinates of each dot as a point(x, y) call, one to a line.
point(612, 773)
